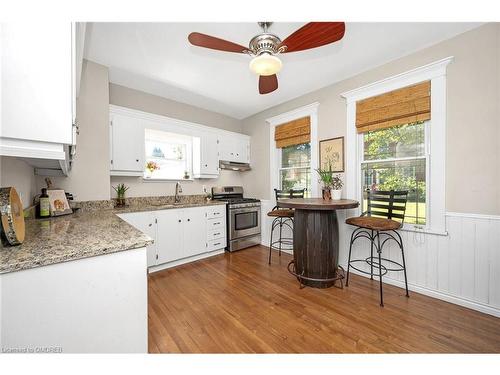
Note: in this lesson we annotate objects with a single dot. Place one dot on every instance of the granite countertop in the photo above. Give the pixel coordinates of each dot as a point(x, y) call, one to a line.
point(83, 234)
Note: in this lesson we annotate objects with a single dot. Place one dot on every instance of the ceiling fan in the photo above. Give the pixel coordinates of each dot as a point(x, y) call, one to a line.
point(265, 47)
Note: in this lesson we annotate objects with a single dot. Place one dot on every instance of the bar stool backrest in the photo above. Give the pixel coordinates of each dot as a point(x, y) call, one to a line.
point(388, 204)
point(287, 194)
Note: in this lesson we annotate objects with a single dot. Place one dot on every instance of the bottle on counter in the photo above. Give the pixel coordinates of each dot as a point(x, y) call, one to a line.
point(44, 204)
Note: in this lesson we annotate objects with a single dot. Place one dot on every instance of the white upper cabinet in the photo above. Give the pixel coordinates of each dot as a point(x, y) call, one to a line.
point(126, 145)
point(37, 81)
point(206, 156)
point(234, 148)
point(206, 145)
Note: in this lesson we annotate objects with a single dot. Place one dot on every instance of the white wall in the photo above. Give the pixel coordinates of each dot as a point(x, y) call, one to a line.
point(17, 173)
point(473, 131)
point(89, 178)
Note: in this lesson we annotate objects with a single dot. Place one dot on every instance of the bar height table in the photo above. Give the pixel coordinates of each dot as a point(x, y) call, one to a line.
point(316, 239)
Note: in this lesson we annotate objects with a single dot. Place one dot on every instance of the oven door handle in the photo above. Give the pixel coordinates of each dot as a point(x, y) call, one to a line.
point(244, 210)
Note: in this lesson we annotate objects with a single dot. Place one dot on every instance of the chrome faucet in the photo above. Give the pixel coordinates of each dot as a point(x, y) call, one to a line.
point(178, 190)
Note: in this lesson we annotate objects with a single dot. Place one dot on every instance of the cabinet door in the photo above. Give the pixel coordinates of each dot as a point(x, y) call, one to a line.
point(170, 235)
point(209, 155)
point(145, 222)
point(241, 150)
point(225, 148)
point(36, 81)
point(195, 232)
point(127, 145)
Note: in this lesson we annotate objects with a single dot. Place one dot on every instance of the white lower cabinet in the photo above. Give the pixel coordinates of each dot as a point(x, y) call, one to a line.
point(169, 236)
point(194, 231)
point(145, 222)
point(181, 234)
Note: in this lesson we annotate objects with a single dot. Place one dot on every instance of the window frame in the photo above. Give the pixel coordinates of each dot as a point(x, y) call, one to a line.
point(279, 161)
point(426, 157)
point(310, 110)
point(188, 157)
point(436, 188)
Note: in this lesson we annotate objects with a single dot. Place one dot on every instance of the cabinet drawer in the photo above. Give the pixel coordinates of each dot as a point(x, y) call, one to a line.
point(216, 244)
point(215, 212)
point(216, 234)
point(213, 224)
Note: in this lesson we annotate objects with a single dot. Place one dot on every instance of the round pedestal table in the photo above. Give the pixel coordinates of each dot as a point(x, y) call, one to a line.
point(316, 240)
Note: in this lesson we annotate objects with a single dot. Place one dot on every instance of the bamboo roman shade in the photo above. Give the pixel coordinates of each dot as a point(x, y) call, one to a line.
point(293, 133)
point(398, 107)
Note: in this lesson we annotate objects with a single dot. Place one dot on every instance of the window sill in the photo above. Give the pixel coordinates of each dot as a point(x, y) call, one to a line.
point(419, 229)
point(166, 179)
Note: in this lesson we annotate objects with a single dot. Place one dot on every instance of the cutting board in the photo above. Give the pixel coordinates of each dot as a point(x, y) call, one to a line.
point(11, 211)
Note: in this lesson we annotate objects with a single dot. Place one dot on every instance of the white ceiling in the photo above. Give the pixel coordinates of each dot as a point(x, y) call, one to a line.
point(157, 58)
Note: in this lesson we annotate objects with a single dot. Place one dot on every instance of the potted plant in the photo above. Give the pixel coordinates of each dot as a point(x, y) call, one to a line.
point(151, 166)
point(120, 194)
point(332, 183)
point(337, 185)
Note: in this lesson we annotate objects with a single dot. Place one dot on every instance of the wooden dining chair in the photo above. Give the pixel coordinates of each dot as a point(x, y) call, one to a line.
point(380, 223)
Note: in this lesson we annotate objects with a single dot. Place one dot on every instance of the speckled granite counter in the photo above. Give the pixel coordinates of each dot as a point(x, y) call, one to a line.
point(86, 233)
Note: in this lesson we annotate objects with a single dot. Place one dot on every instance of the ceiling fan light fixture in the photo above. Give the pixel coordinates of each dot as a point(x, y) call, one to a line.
point(265, 64)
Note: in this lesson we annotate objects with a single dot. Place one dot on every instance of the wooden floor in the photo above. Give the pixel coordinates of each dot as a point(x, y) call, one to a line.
point(237, 303)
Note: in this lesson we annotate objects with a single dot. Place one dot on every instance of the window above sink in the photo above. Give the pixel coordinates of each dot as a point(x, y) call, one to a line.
point(168, 155)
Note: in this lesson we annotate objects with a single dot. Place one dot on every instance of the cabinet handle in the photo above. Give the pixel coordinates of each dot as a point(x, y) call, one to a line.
point(218, 243)
point(216, 223)
point(180, 221)
point(216, 234)
point(189, 219)
point(206, 165)
point(137, 160)
point(150, 225)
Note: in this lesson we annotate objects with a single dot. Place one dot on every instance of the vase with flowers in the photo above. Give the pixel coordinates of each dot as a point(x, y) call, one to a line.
point(332, 183)
point(151, 166)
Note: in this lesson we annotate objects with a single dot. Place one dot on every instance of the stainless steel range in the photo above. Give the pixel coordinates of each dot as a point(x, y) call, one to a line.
point(243, 217)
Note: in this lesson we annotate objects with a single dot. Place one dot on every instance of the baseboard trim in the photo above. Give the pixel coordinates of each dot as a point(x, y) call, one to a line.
point(487, 309)
point(179, 262)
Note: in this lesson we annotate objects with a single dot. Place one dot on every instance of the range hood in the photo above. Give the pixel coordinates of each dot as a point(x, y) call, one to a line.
point(234, 166)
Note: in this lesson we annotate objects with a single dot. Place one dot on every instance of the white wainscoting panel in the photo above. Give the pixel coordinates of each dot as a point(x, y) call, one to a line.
point(462, 267)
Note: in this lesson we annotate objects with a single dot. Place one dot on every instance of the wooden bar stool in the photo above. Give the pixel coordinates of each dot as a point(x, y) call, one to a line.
point(283, 217)
point(377, 222)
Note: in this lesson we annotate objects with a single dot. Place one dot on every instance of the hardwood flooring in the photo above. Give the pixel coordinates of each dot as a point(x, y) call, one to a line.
point(237, 303)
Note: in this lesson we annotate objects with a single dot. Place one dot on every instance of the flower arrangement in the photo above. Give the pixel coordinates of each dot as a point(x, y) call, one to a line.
point(151, 166)
point(330, 181)
point(120, 193)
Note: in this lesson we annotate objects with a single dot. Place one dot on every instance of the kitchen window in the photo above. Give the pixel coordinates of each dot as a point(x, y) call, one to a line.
point(168, 155)
point(295, 167)
point(395, 158)
point(414, 103)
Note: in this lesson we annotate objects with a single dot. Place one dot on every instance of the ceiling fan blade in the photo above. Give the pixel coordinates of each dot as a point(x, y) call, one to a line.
point(207, 41)
point(268, 84)
point(314, 34)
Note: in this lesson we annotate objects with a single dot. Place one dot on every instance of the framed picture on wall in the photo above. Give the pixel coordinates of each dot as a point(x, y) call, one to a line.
point(331, 153)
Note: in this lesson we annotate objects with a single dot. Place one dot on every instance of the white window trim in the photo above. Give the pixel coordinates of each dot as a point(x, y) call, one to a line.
point(436, 144)
point(310, 110)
